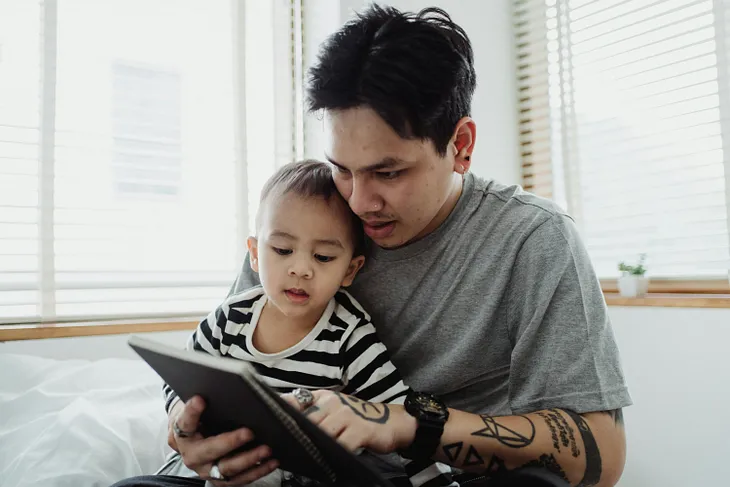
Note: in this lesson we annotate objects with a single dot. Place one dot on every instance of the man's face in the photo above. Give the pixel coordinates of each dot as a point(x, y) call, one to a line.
point(398, 187)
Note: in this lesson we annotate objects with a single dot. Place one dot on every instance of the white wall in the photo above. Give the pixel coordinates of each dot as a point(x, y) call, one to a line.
point(676, 365)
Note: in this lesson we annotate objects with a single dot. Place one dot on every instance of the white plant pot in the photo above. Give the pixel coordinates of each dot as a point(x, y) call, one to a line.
point(631, 286)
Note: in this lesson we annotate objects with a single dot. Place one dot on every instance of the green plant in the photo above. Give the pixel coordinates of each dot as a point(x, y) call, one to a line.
point(635, 270)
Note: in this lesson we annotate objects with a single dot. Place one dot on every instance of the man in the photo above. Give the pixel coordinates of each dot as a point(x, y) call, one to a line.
point(483, 294)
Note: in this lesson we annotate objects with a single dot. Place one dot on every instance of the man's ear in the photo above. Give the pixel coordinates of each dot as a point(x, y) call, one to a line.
point(253, 253)
point(462, 145)
point(355, 265)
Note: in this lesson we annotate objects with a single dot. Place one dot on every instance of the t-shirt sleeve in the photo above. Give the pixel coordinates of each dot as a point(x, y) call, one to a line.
point(564, 352)
point(367, 372)
point(206, 338)
point(246, 278)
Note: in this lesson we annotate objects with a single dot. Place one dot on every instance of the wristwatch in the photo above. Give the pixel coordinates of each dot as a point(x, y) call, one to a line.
point(431, 414)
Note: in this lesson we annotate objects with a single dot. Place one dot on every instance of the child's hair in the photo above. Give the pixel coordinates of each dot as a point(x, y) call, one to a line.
point(312, 179)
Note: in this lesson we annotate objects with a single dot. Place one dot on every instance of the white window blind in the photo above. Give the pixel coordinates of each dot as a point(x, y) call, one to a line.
point(624, 121)
point(124, 184)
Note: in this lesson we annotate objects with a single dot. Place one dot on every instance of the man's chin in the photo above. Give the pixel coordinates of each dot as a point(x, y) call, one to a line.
point(390, 242)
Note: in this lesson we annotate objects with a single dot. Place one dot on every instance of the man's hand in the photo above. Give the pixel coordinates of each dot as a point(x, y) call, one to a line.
point(358, 424)
point(200, 454)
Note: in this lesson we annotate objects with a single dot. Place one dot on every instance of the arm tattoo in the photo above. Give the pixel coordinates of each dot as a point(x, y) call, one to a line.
point(473, 458)
point(375, 413)
point(556, 422)
point(618, 416)
point(549, 463)
point(562, 434)
point(453, 450)
point(506, 436)
point(593, 456)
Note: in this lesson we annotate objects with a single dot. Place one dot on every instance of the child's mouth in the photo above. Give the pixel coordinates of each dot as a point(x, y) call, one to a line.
point(296, 295)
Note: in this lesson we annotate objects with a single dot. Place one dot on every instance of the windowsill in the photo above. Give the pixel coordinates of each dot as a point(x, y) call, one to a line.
point(671, 300)
point(123, 327)
point(36, 331)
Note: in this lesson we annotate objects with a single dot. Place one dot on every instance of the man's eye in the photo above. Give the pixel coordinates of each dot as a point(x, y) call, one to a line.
point(323, 258)
point(389, 174)
point(340, 171)
point(281, 251)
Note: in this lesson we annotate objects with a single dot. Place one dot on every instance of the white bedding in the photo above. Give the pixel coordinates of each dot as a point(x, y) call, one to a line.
point(78, 423)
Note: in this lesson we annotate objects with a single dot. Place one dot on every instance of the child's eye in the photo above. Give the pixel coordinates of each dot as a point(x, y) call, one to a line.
point(281, 251)
point(323, 258)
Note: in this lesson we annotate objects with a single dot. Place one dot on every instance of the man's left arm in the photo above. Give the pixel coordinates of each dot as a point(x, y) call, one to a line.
point(584, 449)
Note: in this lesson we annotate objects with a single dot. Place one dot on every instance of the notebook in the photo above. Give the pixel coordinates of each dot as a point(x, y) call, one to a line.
point(236, 397)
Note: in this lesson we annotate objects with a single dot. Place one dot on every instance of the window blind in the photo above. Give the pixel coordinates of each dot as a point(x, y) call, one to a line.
point(131, 165)
point(624, 121)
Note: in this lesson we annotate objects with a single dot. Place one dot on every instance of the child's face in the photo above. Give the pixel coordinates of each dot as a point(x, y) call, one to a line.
point(303, 252)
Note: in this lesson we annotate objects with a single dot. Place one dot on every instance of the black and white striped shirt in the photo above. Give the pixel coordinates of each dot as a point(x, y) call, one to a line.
point(341, 353)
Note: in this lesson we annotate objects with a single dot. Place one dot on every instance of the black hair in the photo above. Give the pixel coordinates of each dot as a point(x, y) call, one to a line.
point(312, 179)
point(416, 71)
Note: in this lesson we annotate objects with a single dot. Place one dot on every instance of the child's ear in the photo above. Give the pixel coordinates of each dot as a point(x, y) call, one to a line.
point(253, 253)
point(355, 265)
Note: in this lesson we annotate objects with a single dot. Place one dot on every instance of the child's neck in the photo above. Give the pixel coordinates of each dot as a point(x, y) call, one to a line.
point(276, 332)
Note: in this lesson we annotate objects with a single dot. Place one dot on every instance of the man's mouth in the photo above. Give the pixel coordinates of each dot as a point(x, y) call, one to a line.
point(378, 229)
point(297, 295)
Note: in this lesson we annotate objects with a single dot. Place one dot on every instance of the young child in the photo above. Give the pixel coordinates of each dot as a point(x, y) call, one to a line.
point(300, 329)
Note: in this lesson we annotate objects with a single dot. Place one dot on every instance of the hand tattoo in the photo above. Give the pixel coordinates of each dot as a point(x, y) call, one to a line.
point(375, 413)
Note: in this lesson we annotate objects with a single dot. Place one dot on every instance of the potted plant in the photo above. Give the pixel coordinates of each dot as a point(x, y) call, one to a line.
point(633, 283)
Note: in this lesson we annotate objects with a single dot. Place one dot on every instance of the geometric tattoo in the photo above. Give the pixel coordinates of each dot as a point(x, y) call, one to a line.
point(453, 450)
point(503, 434)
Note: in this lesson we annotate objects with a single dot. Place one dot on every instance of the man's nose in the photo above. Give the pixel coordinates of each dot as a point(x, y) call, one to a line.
point(362, 198)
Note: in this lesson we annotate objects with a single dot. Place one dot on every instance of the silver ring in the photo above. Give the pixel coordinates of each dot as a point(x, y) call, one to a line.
point(178, 432)
point(215, 473)
point(304, 397)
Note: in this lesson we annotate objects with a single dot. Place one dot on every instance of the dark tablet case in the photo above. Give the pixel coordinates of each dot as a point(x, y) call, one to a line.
point(236, 398)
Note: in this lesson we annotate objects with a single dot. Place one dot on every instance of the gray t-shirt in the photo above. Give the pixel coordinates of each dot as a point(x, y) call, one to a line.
point(498, 311)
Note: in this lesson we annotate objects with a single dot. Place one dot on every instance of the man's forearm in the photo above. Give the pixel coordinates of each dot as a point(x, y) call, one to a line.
point(585, 450)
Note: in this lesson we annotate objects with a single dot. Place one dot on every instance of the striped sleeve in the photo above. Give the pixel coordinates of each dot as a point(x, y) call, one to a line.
point(368, 372)
point(213, 334)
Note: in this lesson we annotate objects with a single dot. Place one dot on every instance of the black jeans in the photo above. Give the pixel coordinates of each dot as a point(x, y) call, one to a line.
point(528, 477)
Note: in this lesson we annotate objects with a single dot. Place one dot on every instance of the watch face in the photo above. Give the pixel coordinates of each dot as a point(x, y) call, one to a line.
point(427, 405)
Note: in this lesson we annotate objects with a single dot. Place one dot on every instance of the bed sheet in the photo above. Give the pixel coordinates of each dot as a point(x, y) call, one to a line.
point(78, 423)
